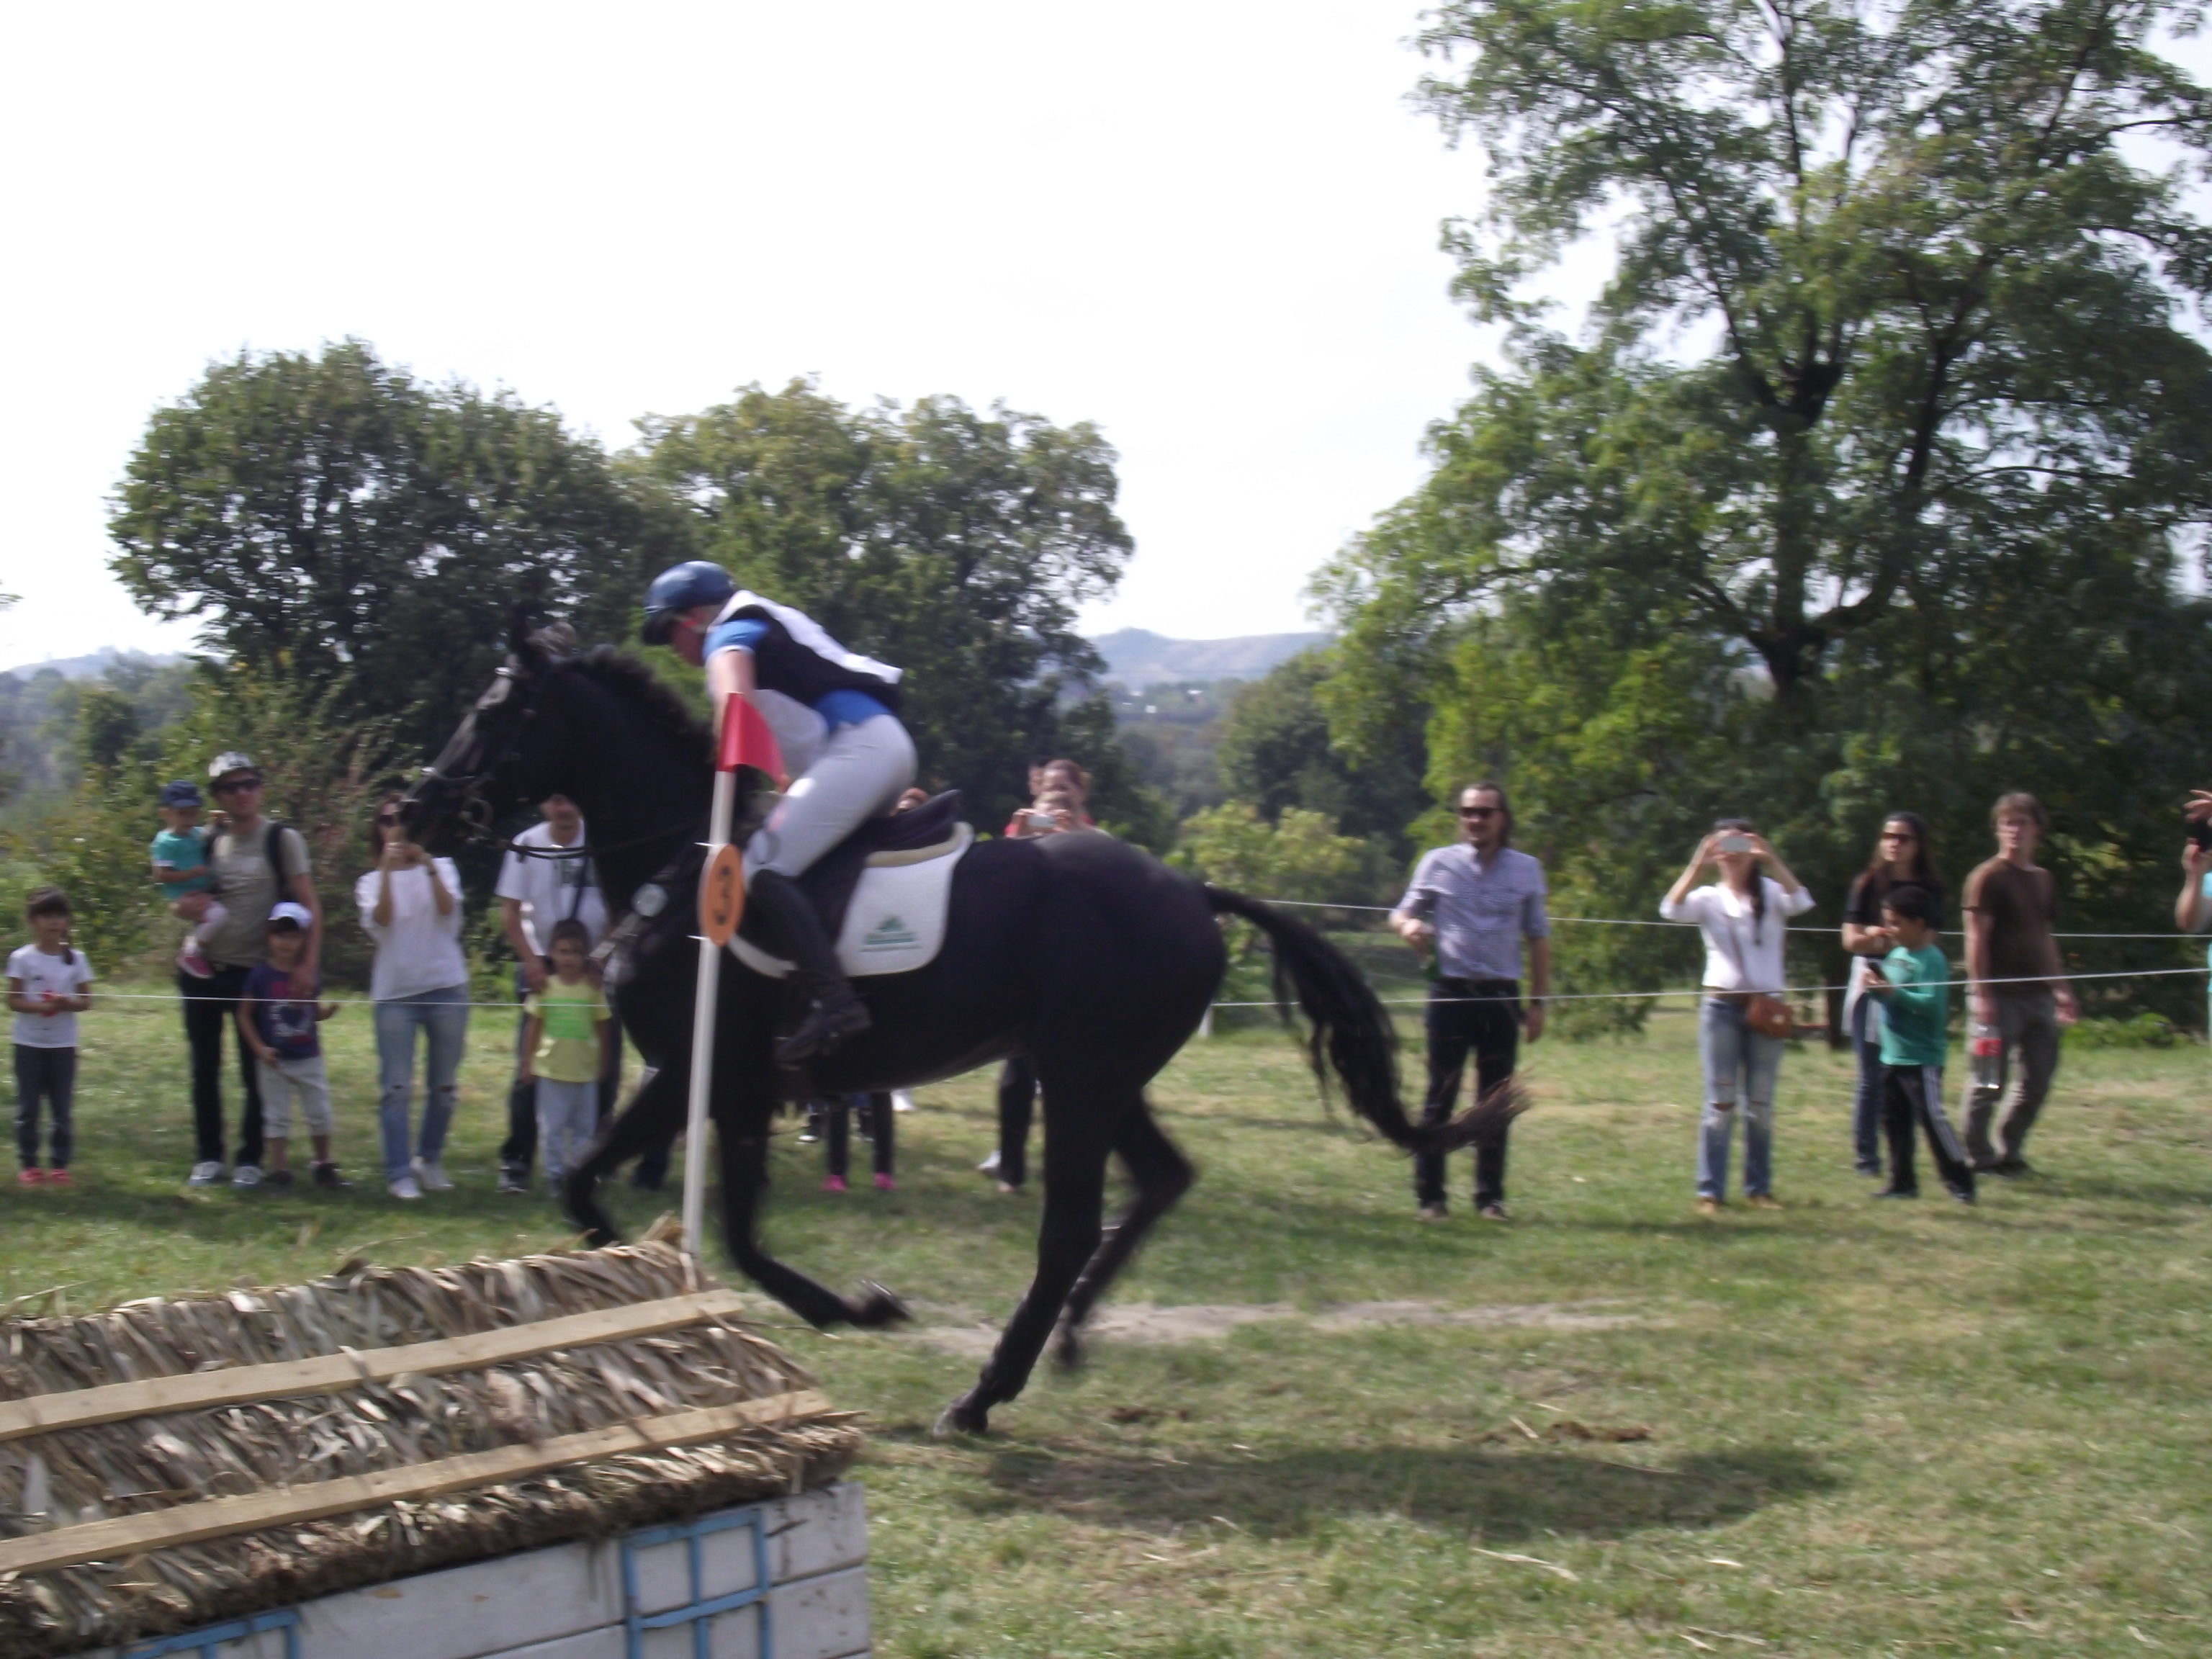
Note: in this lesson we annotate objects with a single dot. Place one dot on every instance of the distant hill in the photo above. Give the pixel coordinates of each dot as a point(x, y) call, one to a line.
point(83, 668)
point(1137, 656)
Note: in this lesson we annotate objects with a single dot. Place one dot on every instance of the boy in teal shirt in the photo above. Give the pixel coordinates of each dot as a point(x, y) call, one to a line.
point(1912, 982)
point(180, 856)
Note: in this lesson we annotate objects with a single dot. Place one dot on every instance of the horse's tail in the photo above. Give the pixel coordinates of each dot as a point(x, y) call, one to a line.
point(1349, 1033)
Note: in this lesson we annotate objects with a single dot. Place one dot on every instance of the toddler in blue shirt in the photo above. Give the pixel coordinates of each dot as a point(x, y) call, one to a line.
point(180, 855)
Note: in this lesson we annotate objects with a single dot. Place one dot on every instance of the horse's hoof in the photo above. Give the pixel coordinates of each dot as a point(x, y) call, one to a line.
point(961, 1417)
point(1068, 1349)
point(878, 1307)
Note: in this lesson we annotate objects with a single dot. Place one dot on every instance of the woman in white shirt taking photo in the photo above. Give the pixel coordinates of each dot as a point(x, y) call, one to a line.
point(410, 904)
point(1741, 1019)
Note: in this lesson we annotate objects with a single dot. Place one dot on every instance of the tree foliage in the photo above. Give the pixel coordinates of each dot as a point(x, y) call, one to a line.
point(956, 544)
point(1276, 752)
point(1299, 856)
point(330, 518)
point(1870, 482)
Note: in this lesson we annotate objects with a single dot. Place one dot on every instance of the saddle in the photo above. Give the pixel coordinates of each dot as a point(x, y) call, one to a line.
point(931, 830)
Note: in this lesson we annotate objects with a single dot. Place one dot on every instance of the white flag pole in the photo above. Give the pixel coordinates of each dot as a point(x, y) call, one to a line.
point(703, 1010)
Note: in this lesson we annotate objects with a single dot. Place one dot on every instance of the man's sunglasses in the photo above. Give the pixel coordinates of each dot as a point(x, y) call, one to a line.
point(387, 819)
point(1479, 811)
point(232, 785)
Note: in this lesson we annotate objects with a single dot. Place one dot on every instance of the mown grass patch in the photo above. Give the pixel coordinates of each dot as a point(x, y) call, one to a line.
point(1873, 1429)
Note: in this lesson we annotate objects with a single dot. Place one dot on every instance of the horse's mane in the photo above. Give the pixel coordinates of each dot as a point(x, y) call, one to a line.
point(628, 678)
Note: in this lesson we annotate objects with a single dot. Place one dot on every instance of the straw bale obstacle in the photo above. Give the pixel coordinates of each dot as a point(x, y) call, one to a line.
point(567, 1456)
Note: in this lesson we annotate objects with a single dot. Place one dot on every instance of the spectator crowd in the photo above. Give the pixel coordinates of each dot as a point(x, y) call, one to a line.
point(249, 969)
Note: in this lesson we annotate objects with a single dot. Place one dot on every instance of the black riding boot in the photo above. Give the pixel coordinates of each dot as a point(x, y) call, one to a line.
point(833, 1011)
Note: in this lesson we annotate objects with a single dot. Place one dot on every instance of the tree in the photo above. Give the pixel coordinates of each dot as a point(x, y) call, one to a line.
point(957, 545)
point(330, 518)
point(1941, 297)
point(1869, 483)
point(1298, 857)
point(1276, 752)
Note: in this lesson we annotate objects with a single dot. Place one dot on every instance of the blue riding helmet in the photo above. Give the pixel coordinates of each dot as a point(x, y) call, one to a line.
point(678, 588)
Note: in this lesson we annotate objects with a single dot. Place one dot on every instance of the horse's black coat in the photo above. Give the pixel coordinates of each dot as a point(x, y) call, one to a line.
point(1080, 950)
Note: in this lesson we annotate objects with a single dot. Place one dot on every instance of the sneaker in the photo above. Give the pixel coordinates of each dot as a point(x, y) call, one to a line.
point(406, 1187)
point(246, 1176)
point(884, 1183)
point(1431, 1212)
point(1761, 1201)
point(1708, 1206)
point(33, 1177)
point(989, 1165)
point(810, 1134)
point(1008, 1189)
point(901, 1100)
point(1897, 1191)
point(280, 1179)
point(193, 961)
point(1961, 1194)
point(326, 1176)
point(513, 1178)
point(59, 1178)
point(1869, 1168)
point(2010, 1168)
point(1491, 1212)
point(430, 1174)
point(833, 1183)
point(204, 1175)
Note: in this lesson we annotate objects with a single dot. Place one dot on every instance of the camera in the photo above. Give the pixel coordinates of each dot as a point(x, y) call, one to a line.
point(2200, 833)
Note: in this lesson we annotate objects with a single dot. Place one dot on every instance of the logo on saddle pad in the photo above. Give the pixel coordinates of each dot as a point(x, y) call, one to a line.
point(890, 934)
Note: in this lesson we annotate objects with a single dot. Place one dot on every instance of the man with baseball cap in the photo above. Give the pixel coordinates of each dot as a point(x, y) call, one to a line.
point(258, 864)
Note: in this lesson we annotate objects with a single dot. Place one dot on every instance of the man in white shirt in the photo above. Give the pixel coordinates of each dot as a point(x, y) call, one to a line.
point(538, 886)
point(1477, 905)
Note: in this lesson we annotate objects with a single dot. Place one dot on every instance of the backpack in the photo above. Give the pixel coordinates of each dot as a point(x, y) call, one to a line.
point(272, 848)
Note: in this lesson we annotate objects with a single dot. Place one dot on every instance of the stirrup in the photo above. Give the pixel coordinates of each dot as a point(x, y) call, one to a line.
point(831, 1018)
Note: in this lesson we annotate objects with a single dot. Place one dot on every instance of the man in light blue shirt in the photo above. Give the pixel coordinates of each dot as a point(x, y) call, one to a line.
point(1474, 904)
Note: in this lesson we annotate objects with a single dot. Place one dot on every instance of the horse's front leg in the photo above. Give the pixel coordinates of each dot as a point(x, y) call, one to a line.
point(651, 1119)
point(743, 1146)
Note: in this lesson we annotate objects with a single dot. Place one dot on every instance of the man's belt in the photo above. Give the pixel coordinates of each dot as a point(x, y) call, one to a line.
point(1511, 988)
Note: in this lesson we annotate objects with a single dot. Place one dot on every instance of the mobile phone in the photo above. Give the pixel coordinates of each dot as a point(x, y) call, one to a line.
point(1733, 843)
point(2200, 833)
point(1043, 820)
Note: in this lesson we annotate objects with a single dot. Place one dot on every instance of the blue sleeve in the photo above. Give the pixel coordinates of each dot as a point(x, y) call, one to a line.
point(739, 634)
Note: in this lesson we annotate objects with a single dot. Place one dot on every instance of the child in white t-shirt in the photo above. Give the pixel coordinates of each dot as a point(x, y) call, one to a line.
point(47, 982)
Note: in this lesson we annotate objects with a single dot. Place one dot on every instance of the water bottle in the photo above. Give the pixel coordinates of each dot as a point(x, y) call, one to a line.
point(1985, 1045)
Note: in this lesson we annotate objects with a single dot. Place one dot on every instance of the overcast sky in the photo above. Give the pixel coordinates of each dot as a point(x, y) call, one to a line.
point(1210, 228)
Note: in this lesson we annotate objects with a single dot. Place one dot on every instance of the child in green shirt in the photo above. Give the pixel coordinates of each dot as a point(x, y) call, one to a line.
point(563, 1051)
point(1913, 984)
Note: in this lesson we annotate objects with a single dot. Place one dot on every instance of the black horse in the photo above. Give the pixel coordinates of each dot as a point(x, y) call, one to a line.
point(1084, 952)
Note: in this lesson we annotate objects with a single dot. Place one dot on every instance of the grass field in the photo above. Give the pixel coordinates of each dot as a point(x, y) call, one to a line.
point(1873, 1429)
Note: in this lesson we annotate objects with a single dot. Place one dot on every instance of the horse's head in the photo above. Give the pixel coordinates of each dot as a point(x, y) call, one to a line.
point(488, 767)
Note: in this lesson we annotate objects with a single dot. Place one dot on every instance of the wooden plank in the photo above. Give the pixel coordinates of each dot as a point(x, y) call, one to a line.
point(221, 1517)
point(49, 1413)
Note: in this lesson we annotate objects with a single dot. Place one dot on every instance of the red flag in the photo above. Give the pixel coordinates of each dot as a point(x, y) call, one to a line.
point(746, 741)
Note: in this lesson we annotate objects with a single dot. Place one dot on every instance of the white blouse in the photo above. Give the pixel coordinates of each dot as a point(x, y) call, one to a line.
point(1738, 957)
point(419, 950)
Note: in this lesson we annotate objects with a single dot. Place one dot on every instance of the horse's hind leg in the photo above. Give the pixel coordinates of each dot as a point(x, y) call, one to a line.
point(1074, 1199)
point(1161, 1174)
point(652, 1117)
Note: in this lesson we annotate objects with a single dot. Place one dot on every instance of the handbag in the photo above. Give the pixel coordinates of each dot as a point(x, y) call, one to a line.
point(1766, 1015)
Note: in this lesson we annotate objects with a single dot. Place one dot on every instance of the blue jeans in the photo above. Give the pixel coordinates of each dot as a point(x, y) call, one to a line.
point(1866, 1098)
point(442, 1016)
point(1741, 1066)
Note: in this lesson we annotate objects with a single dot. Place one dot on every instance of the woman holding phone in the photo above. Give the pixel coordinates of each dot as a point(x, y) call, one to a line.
point(410, 906)
point(1741, 1019)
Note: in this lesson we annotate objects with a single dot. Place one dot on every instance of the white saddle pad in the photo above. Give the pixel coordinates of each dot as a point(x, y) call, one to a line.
point(895, 922)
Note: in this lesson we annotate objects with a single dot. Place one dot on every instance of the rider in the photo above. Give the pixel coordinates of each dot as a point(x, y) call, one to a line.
point(833, 715)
